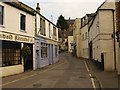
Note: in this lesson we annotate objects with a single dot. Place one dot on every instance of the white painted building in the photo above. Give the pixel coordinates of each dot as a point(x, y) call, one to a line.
point(46, 41)
point(17, 26)
point(101, 37)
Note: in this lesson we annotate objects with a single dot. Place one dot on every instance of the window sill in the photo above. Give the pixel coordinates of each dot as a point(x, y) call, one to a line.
point(2, 26)
point(23, 31)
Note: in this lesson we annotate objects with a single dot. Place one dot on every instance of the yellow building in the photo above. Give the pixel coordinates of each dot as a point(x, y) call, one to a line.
point(77, 37)
point(84, 34)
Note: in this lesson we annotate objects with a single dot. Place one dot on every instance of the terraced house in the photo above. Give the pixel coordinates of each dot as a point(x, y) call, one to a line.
point(17, 26)
point(24, 30)
point(46, 41)
point(102, 43)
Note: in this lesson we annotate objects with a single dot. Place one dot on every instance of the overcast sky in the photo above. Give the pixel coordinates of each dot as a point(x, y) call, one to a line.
point(68, 8)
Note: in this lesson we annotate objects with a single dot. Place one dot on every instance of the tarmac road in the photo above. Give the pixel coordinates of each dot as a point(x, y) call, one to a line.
point(69, 72)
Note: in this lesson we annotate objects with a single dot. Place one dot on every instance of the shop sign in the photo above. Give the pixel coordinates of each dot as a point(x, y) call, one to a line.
point(15, 37)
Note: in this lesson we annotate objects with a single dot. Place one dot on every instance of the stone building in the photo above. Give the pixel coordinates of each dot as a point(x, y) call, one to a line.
point(84, 34)
point(118, 31)
point(102, 43)
point(77, 37)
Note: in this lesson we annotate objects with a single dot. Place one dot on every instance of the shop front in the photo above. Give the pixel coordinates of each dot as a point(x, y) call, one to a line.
point(11, 52)
point(46, 52)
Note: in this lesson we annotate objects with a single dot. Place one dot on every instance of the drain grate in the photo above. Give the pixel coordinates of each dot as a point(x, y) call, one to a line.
point(92, 77)
point(82, 77)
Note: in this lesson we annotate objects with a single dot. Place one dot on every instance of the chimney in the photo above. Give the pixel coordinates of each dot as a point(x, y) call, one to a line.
point(69, 18)
point(38, 8)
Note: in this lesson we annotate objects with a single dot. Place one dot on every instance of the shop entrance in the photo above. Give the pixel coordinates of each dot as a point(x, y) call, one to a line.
point(28, 64)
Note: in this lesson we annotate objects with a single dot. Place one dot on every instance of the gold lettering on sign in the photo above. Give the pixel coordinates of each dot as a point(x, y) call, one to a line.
point(21, 38)
point(15, 37)
point(4, 36)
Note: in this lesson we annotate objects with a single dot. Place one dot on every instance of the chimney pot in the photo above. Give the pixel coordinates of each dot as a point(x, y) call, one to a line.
point(38, 8)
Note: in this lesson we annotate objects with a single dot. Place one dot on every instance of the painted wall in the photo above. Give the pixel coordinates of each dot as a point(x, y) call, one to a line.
point(11, 26)
point(55, 57)
point(0, 53)
point(101, 36)
point(77, 36)
point(47, 31)
point(70, 41)
point(85, 53)
point(14, 27)
point(11, 70)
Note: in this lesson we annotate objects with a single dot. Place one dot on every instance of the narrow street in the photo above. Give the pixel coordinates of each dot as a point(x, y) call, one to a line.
point(69, 72)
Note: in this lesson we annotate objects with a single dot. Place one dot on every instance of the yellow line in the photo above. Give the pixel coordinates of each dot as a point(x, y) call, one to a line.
point(17, 80)
point(93, 83)
point(31, 75)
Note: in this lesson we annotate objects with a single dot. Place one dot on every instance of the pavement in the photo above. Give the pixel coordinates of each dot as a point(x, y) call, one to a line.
point(69, 72)
point(107, 79)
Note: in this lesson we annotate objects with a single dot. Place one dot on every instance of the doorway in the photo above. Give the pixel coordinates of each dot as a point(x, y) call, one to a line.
point(90, 50)
point(28, 64)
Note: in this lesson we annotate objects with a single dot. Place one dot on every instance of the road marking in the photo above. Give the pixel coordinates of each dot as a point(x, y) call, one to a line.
point(31, 75)
point(93, 83)
point(17, 80)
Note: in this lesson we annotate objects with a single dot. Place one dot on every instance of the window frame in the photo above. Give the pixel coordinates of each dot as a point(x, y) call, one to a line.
point(2, 20)
point(49, 31)
point(22, 28)
point(44, 54)
point(11, 55)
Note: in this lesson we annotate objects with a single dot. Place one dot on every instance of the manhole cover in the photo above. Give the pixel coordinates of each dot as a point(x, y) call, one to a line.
point(37, 85)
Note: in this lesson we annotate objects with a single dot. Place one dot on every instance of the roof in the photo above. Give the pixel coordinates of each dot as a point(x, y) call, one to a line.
point(90, 16)
point(96, 14)
point(19, 5)
point(70, 21)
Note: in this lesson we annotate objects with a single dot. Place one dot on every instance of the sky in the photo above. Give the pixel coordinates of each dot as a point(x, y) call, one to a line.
point(52, 9)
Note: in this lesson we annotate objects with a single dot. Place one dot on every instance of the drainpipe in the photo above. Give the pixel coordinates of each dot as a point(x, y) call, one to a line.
point(114, 39)
point(119, 58)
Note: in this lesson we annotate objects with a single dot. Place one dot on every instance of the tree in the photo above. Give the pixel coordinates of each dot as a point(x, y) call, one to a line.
point(25, 52)
point(61, 23)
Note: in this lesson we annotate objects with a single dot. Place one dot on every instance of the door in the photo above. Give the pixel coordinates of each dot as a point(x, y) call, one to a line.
point(51, 54)
point(38, 58)
point(28, 63)
point(90, 50)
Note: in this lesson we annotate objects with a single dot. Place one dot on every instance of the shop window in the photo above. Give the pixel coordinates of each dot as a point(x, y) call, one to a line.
point(11, 54)
point(1, 15)
point(22, 22)
point(43, 50)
